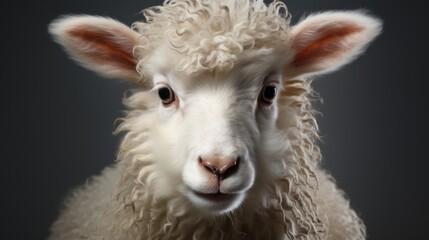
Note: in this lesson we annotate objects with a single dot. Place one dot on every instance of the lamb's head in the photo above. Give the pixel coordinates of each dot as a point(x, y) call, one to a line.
point(205, 125)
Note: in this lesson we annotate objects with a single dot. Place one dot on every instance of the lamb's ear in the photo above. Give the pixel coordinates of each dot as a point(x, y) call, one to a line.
point(100, 44)
point(324, 42)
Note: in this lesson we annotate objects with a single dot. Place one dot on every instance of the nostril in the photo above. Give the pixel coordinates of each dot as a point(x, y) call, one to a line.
point(231, 169)
point(209, 167)
point(221, 168)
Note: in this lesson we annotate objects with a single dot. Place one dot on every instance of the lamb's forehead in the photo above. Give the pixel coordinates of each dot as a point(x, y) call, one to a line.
point(250, 69)
point(210, 35)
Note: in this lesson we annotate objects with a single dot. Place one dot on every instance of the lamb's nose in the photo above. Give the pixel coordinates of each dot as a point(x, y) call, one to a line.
point(221, 167)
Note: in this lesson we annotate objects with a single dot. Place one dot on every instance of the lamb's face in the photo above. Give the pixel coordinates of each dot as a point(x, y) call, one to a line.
point(210, 126)
point(209, 129)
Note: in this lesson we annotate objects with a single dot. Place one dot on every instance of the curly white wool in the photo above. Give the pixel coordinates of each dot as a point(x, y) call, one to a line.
point(211, 34)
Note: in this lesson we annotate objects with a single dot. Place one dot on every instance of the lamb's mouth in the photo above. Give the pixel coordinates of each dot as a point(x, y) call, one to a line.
point(216, 203)
point(215, 197)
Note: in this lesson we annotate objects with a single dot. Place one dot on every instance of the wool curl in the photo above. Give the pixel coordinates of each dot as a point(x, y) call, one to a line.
point(210, 34)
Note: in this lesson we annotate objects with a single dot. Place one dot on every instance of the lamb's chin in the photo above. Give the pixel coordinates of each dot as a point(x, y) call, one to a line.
point(215, 203)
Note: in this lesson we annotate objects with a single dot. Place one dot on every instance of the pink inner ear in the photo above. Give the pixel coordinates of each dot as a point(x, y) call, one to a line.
point(328, 45)
point(105, 49)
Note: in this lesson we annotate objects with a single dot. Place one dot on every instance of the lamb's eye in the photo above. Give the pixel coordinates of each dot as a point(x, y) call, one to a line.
point(269, 93)
point(166, 95)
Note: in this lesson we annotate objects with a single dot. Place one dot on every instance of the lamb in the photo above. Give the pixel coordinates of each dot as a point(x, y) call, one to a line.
point(220, 135)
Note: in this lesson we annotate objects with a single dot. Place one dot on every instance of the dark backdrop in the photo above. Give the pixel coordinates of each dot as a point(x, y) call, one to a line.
point(57, 118)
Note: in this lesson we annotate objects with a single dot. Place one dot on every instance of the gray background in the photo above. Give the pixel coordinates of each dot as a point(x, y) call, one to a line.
point(57, 118)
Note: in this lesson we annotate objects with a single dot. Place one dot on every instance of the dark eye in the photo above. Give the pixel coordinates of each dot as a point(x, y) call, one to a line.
point(269, 93)
point(166, 95)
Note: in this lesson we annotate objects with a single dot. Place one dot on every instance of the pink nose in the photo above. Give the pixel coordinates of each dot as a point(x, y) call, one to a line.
point(222, 168)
